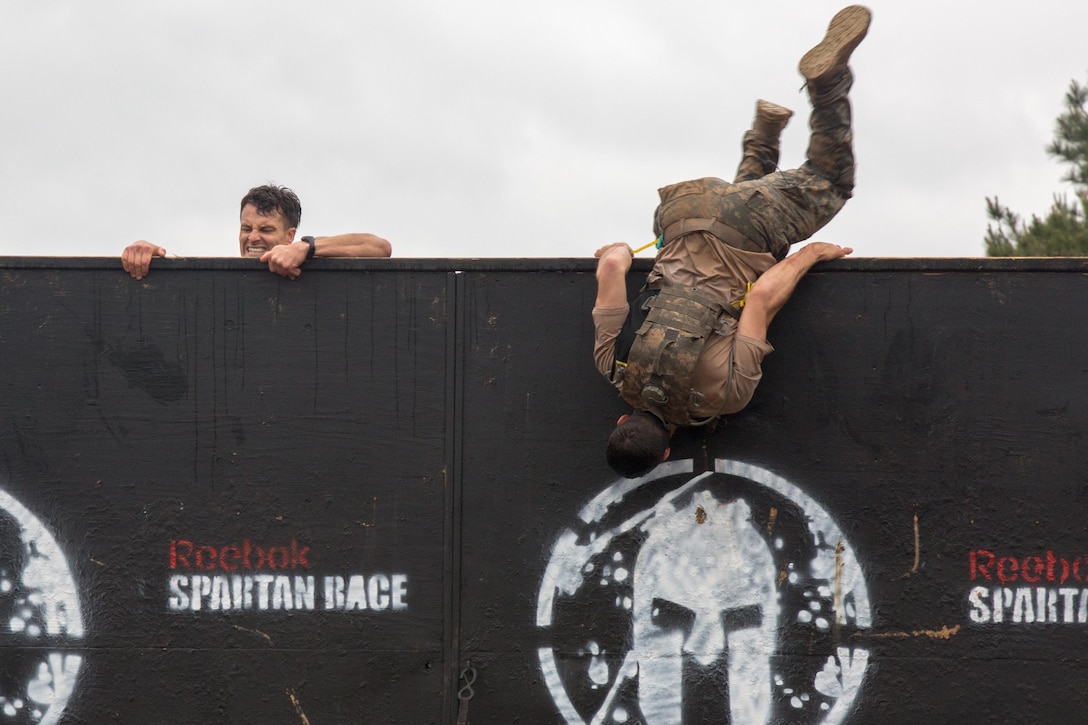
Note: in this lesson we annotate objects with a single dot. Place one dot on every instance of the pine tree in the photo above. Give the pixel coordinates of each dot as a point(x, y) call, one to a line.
point(1063, 232)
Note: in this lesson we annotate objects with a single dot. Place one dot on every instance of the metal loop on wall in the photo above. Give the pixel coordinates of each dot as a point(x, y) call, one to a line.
point(466, 693)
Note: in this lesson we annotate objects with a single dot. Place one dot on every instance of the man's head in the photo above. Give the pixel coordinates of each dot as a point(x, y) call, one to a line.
point(269, 216)
point(637, 444)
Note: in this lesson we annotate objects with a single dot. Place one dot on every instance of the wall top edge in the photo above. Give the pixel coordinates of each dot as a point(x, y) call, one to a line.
point(561, 264)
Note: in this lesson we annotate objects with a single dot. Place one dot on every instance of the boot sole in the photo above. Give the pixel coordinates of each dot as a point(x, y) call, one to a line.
point(772, 111)
point(845, 32)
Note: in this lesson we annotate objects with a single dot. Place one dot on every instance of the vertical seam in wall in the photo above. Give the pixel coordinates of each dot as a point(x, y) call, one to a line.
point(451, 564)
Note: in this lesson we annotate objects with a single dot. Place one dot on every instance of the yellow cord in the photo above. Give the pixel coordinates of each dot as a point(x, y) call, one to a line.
point(745, 297)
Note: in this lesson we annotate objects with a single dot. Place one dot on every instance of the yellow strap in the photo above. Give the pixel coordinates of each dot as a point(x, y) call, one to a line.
point(745, 297)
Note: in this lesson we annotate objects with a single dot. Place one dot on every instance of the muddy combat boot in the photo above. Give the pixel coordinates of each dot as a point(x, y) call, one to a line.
point(825, 62)
point(770, 118)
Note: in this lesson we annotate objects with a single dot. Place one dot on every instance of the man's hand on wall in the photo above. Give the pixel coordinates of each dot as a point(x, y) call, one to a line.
point(606, 249)
point(286, 259)
point(826, 251)
point(136, 259)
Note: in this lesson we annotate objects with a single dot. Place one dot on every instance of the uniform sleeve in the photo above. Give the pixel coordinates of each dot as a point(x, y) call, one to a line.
point(607, 323)
point(747, 371)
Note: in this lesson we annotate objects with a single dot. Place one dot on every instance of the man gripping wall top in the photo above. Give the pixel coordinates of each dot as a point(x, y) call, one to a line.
point(689, 349)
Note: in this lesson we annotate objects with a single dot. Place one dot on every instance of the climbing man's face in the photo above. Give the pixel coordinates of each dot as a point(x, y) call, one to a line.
point(260, 232)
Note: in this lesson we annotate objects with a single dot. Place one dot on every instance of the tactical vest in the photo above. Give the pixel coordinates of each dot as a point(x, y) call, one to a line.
point(715, 206)
point(658, 347)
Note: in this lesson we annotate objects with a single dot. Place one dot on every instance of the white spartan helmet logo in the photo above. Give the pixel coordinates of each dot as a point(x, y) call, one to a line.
point(681, 597)
point(704, 597)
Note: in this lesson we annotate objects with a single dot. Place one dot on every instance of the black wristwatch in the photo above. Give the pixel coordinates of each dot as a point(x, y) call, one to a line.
point(313, 247)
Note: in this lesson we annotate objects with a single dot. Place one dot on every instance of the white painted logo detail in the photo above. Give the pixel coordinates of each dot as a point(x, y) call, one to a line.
point(688, 596)
point(39, 605)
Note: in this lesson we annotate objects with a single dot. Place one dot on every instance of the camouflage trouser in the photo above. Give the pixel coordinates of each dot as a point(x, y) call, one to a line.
point(760, 157)
point(791, 206)
point(770, 209)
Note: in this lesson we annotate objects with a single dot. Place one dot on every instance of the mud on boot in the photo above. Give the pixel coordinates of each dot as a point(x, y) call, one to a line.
point(830, 56)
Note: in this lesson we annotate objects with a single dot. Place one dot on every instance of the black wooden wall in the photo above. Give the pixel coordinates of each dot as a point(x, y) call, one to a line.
point(231, 498)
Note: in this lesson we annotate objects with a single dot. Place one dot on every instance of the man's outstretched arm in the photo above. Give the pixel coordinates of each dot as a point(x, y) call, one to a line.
point(771, 291)
point(287, 259)
point(352, 245)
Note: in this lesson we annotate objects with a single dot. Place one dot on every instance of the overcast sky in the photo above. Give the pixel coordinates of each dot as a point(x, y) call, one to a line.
point(502, 128)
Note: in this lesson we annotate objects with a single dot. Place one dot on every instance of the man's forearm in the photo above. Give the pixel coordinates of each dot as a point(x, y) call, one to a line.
point(775, 287)
point(613, 262)
point(352, 245)
point(778, 283)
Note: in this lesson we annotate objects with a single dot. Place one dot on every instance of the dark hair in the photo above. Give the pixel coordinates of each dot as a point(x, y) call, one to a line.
point(269, 199)
point(637, 445)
